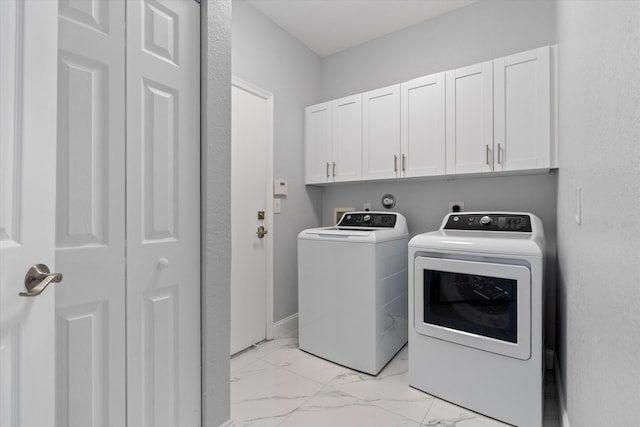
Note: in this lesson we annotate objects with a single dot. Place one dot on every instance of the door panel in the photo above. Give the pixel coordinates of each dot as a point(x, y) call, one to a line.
point(423, 126)
point(470, 119)
point(90, 230)
point(250, 117)
point(163, 212)
point(347, 139)
point(318, 142)
point(28, 47)
point(522, 110)
point(381, 133)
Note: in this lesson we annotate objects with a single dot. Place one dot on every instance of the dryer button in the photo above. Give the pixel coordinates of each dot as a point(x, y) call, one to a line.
point(485, 220)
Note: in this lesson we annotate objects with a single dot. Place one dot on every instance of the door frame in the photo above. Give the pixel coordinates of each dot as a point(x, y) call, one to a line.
point(268, 97)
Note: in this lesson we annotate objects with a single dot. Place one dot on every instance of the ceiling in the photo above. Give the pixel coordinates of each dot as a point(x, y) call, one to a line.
point(330, 26)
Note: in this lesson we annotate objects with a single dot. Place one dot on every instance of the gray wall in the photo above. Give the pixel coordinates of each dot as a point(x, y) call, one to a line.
point(265, 55)
point(484, 30)
point(599, 260)
point(216, 186)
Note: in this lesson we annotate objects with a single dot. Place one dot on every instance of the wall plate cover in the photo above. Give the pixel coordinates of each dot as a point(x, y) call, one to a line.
point(388, 201)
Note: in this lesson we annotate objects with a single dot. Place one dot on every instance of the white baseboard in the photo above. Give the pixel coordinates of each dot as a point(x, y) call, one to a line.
point(562, 408)
point(285, 326)
point(227, 424)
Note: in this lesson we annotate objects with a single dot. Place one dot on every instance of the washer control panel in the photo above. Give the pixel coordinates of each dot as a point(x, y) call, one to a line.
point(489, 222)
point(368, 219)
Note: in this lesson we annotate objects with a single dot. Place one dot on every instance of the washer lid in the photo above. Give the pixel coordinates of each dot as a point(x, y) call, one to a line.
point(362, 227)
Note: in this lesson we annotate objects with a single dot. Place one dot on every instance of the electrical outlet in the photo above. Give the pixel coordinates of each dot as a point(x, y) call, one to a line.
point(456, 206)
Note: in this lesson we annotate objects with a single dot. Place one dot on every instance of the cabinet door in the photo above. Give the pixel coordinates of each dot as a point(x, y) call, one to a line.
point(347, 139)
point(381, 133)
point(423, 126)
point(470, 119)
point(522, 113)
point(318, 141)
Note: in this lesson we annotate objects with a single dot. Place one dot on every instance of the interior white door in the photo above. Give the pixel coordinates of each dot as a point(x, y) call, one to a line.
point(251, 193)
point(28, 73)
point(90, 234)
point(163, 212)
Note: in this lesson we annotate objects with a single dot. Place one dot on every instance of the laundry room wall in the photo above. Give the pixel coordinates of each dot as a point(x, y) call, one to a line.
point(599, 259)
point(481, 31)
point(215, 215)
point(265, 55)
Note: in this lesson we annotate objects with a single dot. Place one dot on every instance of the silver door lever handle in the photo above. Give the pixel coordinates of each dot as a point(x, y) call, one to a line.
point(37, 279)
point(261, 232)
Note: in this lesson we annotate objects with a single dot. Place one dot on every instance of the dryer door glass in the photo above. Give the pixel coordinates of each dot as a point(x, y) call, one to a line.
point(472, 303)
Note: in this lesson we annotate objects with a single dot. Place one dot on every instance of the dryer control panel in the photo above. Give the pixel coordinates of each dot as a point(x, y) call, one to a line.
point(489, 222)
point(368, 219)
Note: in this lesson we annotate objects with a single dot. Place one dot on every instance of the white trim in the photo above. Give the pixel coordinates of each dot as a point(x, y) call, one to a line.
point(562, 408)
point(285, 326)
point(268, 97)
point(228, 423)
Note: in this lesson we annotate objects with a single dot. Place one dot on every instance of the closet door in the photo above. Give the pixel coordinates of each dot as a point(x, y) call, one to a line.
point(90, 229)
point(163, 212)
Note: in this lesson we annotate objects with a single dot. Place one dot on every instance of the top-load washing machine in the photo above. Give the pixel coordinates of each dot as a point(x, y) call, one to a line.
point(352, 290)
point(476, 314)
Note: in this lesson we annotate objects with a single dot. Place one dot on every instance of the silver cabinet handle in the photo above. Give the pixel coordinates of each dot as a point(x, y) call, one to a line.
point(395, 163)
point(328, 170)
point(334, 168)
point(37, 279)
point(404, 159)
point(487, 154)
point(261, 232)
point(499, 150)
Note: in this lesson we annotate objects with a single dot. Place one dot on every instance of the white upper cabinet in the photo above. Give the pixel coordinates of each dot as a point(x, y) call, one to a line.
point(333, 140)
point(522, 111)
point(495, 116)
point(318, 142)
point(469, 119)
point(381, 133)
point(347, 139)
point(423, 126)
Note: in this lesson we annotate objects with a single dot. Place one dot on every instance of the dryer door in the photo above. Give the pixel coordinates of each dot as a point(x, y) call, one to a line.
point(481, 305)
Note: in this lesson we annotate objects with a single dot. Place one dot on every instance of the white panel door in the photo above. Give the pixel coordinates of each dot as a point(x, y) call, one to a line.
point(90, 229)
point(318, 142)
point(522, 111)
point(251, 192)
point(423, 126)
point(381, 133)
point(347, 139)
point(28, 50)
point(470, 119)
point(163, 212)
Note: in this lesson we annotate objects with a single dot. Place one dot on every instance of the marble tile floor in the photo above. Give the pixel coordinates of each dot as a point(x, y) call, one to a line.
point(276, 384)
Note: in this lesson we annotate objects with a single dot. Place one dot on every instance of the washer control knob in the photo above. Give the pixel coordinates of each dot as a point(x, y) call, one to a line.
point(367, 218)
point(485, 220)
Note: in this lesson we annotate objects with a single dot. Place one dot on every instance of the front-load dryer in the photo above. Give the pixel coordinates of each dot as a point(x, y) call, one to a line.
point(476, 314)
point(352, 290)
